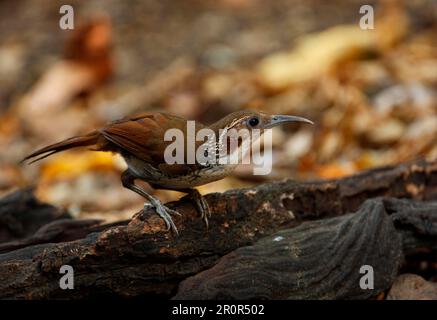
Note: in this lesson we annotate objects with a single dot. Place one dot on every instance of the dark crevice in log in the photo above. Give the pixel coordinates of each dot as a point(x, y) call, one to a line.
point(417, 222)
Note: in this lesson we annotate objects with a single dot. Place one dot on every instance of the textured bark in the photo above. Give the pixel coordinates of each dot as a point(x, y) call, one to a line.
point(322, 259)
point(56, 231)
point(139, 258)
point(316, 260)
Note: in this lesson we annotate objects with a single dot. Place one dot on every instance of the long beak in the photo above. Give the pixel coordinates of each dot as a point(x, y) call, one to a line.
point(279, 119)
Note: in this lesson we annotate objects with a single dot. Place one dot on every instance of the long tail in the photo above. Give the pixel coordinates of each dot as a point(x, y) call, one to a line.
point(73, 142)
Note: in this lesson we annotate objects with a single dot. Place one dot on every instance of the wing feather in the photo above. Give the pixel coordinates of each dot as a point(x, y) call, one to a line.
point(143, 136)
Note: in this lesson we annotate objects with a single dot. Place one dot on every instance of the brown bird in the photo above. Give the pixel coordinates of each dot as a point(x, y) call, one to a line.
point(143, 144)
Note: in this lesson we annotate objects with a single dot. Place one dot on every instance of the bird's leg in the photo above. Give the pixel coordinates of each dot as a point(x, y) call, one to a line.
point(201, 204)
point(128, 181)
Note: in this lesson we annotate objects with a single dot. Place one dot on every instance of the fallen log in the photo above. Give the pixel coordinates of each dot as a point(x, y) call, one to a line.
point(323, 259)
point(139, 258)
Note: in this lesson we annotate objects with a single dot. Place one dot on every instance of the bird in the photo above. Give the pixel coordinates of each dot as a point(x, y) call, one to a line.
point(142, 142)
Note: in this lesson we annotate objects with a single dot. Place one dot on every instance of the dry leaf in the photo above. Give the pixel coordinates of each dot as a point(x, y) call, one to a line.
point(314, 55)
point(335, 170)
point(72, 164)
point(86, 65)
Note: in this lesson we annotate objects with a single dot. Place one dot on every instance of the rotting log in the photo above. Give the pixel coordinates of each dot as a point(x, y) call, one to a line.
point(139, 258)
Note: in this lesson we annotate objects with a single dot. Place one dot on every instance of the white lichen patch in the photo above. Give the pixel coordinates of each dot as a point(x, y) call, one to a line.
point(250, 193)
point(289, 196)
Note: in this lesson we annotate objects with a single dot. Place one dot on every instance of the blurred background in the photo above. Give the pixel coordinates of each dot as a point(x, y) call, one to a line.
point(372, 93)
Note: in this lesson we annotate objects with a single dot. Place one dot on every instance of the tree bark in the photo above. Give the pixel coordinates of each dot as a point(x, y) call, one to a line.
point(325, 259)
point(139, 258)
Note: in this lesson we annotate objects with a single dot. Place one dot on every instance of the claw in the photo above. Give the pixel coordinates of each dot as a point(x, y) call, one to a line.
point(128, 180)
point(205, 212)
point(202, 206)
point(165, 214)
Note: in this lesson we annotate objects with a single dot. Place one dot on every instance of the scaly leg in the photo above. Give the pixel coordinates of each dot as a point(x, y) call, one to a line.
point(201, 204)
point(128, 181)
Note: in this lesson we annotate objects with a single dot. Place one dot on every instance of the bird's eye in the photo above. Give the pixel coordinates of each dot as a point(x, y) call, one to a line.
point(253, 122)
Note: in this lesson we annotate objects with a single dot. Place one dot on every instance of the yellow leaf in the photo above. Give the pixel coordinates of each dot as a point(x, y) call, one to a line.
point(72, 164)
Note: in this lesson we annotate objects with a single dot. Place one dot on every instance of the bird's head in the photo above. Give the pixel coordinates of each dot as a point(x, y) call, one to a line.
point(251, 119)
point(238, 126)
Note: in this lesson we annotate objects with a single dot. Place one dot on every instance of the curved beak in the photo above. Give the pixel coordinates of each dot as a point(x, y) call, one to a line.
point(279, 119)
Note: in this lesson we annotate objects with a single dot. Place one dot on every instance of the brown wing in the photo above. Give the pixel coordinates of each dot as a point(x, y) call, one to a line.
point(143, 137)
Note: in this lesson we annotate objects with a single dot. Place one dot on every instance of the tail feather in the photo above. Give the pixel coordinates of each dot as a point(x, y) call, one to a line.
point(73, 142)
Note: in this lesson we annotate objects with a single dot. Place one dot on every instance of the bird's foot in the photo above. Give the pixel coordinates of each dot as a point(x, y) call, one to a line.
point(164, 212)
point(201, 205)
